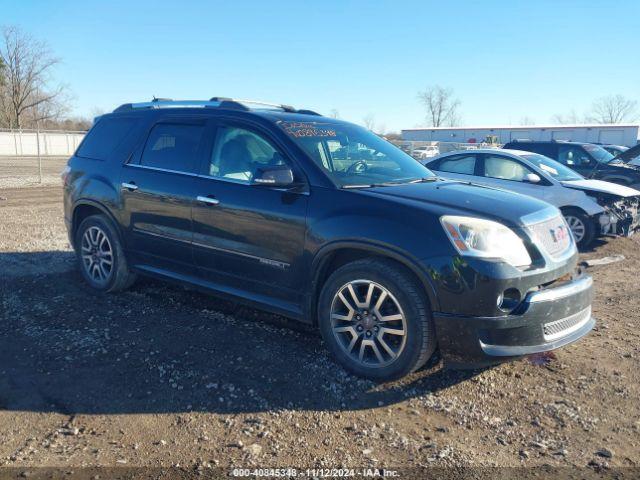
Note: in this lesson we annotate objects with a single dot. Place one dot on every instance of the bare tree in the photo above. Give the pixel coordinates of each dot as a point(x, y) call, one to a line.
point(334, 113)
point(526, 120)
point(28, 96)
point(613, 109)
point(566, 118)
point(442, 107)
point(369, 121)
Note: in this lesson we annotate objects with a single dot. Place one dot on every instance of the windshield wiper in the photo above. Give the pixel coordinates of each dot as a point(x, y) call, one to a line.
point(392, 184)
point(425, 179)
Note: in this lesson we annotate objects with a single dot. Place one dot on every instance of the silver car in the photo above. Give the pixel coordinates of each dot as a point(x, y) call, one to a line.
point(590, 207)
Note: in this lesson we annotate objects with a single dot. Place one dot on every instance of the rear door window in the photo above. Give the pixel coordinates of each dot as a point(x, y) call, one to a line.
point(173, 146)
point(464, 164)
point(546, 149)
point(106, 136)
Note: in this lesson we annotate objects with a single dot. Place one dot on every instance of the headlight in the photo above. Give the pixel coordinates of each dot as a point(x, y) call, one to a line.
point(476, 237)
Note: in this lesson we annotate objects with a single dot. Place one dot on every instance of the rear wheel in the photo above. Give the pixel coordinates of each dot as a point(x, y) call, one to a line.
point(100, 255)
point(581, 226)
point(374, 317)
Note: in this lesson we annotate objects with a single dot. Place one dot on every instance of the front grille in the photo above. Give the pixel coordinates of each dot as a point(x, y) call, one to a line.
point(564, 326)
point(553, 235)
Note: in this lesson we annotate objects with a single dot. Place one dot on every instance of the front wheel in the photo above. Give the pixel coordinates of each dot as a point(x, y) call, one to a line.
point(375, 319)
point(582, 227)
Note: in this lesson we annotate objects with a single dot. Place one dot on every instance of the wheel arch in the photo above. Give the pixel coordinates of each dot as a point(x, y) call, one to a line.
point(335, 255)
point(570, 208)
point(84, 208)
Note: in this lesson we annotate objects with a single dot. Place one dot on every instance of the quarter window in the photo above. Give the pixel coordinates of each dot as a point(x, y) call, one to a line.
point(105, 137)
point(504, 168)
point(238, 153)
point(465, 164)
point(173, 147)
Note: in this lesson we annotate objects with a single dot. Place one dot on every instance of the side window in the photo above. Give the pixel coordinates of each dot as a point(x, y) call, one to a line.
point(237, 153)
point(173, 146)
point(546, 149)
point(573, 155)
point(105, 137)
point(504, 168)
point(465, 164)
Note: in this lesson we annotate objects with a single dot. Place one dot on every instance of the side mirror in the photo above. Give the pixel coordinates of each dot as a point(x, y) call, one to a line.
point(532, 178)
point(273, 176)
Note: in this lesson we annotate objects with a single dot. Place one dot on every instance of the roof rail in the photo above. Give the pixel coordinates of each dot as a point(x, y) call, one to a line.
point(166, 103)
point(309, 112)
point(286, 108)
point(215, 102)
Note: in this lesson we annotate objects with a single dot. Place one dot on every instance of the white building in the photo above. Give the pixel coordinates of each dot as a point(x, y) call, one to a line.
point(628, 135)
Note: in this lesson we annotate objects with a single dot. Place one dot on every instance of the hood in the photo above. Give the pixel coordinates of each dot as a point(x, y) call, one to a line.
point(601, 187)
point(461, 198)
point(628, 155)
point(617, 164)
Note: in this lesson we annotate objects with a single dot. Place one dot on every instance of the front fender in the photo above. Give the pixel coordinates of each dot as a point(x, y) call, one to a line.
point(379, 249)
point(587, 204)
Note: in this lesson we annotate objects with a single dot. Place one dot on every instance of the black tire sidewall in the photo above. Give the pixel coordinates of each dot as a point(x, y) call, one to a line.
point(105, 226)
point(394, 282)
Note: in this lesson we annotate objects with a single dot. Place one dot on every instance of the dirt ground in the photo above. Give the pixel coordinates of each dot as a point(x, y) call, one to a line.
point(162, 376)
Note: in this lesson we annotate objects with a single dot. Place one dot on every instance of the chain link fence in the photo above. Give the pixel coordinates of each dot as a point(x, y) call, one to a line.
point(35, 157)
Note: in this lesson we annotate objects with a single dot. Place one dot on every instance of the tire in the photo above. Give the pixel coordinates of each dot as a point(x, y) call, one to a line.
point(405, 307)
point(97, 244)
point(582, 227)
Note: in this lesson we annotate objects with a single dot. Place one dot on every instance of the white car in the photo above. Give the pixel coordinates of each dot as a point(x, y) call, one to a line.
point(428, 151)
point(590, 207)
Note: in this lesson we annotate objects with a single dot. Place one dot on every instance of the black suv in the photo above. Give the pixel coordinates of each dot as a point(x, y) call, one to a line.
point(321, 220)
point(588, 159)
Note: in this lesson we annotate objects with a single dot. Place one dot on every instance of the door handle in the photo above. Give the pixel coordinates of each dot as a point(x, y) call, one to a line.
point(129, 186)
point(207, 200)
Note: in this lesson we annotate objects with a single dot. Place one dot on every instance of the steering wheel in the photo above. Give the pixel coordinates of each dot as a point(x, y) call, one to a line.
point(358, 167)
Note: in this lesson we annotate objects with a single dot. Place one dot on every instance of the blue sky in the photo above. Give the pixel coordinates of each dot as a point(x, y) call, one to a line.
point(505, 59)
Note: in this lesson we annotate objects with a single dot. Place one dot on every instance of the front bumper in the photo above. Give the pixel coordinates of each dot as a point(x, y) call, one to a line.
point(547, 319)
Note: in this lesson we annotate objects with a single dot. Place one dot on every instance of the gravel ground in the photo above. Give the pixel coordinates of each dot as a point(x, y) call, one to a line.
point(19, 172)
point(160, 376)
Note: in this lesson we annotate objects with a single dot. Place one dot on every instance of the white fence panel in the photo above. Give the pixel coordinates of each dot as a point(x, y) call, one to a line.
point(24, 143)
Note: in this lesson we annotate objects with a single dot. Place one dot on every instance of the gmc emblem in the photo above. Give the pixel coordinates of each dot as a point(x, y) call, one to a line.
point(559, 234)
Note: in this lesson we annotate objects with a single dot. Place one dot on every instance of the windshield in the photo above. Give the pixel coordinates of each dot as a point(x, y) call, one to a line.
point(598, 153)
point(615, 149)
point(552, 168)
point(353, 156)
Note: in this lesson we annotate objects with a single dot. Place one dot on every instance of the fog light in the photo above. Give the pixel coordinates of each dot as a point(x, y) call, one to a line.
point(509, 299)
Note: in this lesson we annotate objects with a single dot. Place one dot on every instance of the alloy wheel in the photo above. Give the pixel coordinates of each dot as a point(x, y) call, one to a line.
point(577, 227)
point(97, 255)
point(368, 323)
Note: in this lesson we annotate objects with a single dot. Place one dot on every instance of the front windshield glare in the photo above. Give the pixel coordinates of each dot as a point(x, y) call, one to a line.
point(552, 168)
point(598, 153)
point(353, 156)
